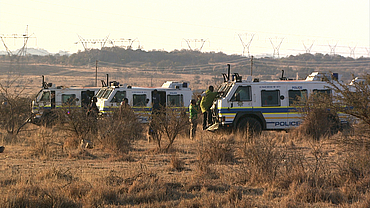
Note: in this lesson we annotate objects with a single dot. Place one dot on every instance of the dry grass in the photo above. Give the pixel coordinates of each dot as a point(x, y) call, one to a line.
point(47, 168)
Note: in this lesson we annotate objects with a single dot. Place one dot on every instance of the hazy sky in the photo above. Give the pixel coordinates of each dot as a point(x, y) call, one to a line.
point(172, 24)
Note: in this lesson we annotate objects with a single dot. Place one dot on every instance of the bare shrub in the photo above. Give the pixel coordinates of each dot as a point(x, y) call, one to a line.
point(119, 131)
point(168, 122)
point(319, 120)
point(101, 195)
point(264, 159)
point(45, 144)
point(304, 192)
point(15, 108)
point(77, 189)
point(76, 122)
point(216, 150)
point(177, 163)
point(354, 166)
point(293, 168)
point(358, 140)
point(27, 195)
point(319, 123)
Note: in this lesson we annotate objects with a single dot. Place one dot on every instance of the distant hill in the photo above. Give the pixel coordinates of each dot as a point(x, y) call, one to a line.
point(35, 52)
point(208, 63)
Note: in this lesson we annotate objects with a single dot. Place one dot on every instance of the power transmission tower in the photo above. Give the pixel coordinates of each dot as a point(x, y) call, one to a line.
point(246, 45)
point(332, 48)
point(352, 51)
point(85, 42)
point(124, 43)
point(276, 48)
point(202, 41)
point(308, 49)
point(23, 50)
point(368, 52)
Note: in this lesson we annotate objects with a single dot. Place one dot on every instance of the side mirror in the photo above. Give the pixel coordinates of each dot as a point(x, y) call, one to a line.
point(147, 101)
point(282, 97)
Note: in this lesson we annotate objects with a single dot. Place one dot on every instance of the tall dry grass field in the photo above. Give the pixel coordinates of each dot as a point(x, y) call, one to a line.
point(48, 167)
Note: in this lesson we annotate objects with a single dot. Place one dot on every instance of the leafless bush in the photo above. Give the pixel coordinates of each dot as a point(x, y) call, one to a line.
point(177, 163)
point(117, 132)
point(216, 150)
point(168, 123)
point(76, 122)
point(14, 112)
point(15, 108)
point(319, 120)
point(358, 140)
point(30, 195)
point(264, 158)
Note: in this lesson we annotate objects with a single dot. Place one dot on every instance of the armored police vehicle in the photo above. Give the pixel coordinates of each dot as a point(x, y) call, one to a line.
point(264, 105)
point(52, 97)
point(172, 94)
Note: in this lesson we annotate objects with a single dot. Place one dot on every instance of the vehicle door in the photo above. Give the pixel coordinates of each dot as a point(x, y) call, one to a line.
point(86, 97)
point(297, 98)
point(273, 112)
point(240, 102)
point(140, 102)
point(118, 96)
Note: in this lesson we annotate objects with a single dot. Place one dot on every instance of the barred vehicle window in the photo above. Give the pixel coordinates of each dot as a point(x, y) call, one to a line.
point(325, 92)
point(68, 99)
point(106, 93)
point(118, 97)
point(270, 97)
point(139, 100)
point(45, 96)
point(243, 93)
point(175, 100)
point(100, 93)
point(297, 97)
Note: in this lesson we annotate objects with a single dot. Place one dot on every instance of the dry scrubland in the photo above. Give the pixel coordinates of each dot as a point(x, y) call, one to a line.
point(48, 167)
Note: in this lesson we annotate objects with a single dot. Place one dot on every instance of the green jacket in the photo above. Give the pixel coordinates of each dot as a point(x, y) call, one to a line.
point(207, 100)
point(193, 111)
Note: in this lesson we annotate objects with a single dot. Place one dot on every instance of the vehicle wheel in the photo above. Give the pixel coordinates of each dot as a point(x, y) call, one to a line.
point(249, 126)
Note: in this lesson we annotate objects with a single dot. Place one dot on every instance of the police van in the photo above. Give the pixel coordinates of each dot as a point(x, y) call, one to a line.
point(264, 105)
point(172, 94)
point(52, 97)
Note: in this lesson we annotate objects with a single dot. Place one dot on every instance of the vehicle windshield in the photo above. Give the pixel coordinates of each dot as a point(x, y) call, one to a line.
point(224, 88)
point(38, 96)
point(104, 93)
point(43, 96)
point(100, 92)
point(107, 93)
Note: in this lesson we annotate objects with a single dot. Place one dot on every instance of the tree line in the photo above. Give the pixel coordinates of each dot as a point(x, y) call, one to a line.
point(189, 61)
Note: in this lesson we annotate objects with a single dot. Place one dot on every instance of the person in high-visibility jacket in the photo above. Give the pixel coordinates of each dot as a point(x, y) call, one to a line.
point(193, 118)
point(205, 105)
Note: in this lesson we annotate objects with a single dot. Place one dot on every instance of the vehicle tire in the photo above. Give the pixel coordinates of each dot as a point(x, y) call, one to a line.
point(249, 126)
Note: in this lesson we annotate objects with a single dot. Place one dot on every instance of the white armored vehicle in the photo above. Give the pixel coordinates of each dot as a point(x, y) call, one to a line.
point(52, 97)
point(264, 105)
point(172, 94)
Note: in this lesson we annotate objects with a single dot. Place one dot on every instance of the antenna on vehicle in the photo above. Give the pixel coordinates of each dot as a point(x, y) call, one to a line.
point(227, 76)
point(43, 82)
point(282, 75)
point(105, 84)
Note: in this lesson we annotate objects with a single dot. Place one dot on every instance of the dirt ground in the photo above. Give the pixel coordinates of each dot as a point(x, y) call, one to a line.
point(148, 178)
